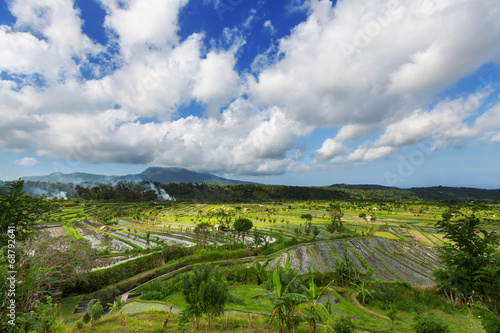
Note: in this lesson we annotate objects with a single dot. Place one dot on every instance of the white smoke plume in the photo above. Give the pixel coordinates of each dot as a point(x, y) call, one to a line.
point(49, 195)
point(161, 193)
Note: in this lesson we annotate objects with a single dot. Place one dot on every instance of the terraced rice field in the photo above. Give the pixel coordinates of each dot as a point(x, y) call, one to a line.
point(418, 236)
point(106, 262)
point(102, 242)
point(136, 240)
point(173, 240)
point(56, 232)
point(386, 234)
point(300, 259)
point(380, 271)
point(325, 262)
point(389, 260)
point(338, 248)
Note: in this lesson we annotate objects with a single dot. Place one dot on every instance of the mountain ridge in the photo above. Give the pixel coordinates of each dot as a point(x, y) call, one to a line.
point(431, 192)
point(182, 175)
point(152, 174)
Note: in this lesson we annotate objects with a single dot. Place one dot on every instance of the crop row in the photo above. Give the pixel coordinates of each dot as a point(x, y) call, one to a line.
point(381, 259)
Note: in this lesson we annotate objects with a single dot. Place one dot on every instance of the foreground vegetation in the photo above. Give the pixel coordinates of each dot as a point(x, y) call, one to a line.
point(308, 265)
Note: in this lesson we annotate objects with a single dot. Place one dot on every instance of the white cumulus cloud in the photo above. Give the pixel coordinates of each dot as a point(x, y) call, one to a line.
point(27, 161)
point(369, 71)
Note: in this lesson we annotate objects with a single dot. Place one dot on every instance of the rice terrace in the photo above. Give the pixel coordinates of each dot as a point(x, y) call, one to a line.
point(354, 261)
point(291, 166)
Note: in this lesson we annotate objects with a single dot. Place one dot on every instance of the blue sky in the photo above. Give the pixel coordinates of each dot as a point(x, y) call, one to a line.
point(296, 92)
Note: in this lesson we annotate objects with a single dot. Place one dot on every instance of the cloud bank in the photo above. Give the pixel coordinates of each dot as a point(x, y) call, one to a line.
point(368, 71)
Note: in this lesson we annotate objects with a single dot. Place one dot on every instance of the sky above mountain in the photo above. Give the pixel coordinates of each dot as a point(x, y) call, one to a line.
point(297, 92)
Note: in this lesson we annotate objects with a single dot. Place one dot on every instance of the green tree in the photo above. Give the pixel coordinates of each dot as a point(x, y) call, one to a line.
point(308, 218)
point(335, 212)
point(201, 228)
point(242, 225)
point(315, 231)
point(334, 227)
point(258, 237)
point(19, 210)
point(297, 232)
point(336, 215)
point(213, 295)
point(95, 311)
point(307, 231)
point(468, 257)
point(18, 213)
point(205, 292)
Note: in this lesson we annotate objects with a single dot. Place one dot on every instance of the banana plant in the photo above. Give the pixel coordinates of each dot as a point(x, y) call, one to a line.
point(285, 304)
point(362, 290)
point(316, 312)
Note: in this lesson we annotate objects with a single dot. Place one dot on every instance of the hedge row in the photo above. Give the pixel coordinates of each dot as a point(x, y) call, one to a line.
point(101, 278)
point(108, 285)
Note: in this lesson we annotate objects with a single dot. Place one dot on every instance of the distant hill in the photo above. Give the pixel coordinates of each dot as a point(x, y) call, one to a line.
point(153, 174)
point(55, 183)
point(421, 193)
point(364, 187)
point(80, 177)
point(181, 175)
point(459, 193)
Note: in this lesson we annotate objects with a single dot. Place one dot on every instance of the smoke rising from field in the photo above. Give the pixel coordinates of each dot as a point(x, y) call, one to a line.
point(49, 194)
point(161, 193)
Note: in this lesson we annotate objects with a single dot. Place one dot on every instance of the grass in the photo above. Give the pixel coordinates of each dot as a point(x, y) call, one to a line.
point(386, 234)
point(133, 307)
point(242, 299)
point(144, 322)
point(71, 230)
point(67, 306)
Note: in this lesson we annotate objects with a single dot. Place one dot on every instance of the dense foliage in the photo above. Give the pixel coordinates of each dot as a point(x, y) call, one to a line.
point(19, 210)
point(205, 292)
point(471, 260)
point(472, 266)
point(18, 214)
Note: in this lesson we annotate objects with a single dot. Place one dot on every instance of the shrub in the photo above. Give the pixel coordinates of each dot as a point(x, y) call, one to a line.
point(41, 320)
point(386, 292)
point(241, 275)
point(95, 310)
point(79, 324)
point(153, 296)
point(343, 324)
point(490, 322)
point(424, 323)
